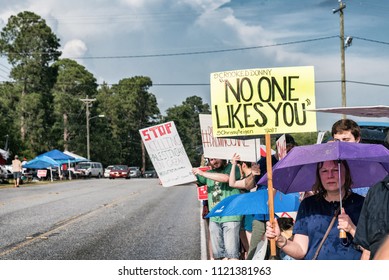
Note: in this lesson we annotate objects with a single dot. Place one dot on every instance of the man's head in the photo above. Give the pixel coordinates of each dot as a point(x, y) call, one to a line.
point(217, 163)
point(346, 130)
point(290, 143)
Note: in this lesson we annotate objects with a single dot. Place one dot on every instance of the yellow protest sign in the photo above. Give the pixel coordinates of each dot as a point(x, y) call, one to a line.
point(263, 101)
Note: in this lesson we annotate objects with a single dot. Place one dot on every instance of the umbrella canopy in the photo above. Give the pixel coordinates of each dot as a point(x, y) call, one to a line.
point(369, 164)
point(41, 162)
point(254, 203)
point(77, 158)
point(58, 156)
point(379, 111)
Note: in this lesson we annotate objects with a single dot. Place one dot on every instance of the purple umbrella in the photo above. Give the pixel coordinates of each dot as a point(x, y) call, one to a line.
point(369, 164)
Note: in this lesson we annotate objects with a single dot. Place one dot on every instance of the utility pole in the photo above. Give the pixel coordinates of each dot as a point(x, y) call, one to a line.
point(88, 103)
point(342, 49)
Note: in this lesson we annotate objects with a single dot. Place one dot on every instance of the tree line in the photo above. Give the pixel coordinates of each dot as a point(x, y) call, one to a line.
point(41, 108)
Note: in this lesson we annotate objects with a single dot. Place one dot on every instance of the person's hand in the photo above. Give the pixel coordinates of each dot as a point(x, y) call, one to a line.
point(197, 171)
point(235, 159)
point(345, 223)
point(272, 232)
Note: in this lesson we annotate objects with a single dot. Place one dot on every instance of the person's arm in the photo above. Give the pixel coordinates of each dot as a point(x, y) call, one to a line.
point(219, 177)
point(243, 184)
point(296, 248)
point(238, 184)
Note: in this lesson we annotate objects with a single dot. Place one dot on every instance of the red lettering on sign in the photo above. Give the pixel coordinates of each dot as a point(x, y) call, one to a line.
point(157, 131)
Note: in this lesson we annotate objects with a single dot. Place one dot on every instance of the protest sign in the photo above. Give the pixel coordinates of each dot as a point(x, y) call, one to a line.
point(202, 192)
point(263, 101)
point(167, 154)
point(281, 147)
point(224, 148)
point(320, 137)
point(41, 173)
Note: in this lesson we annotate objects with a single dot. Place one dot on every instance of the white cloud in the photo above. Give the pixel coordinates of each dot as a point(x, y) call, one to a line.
point(74, 48)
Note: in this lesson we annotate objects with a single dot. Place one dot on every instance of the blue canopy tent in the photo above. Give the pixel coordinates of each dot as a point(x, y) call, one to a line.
point(58, 156)
point(41, 162)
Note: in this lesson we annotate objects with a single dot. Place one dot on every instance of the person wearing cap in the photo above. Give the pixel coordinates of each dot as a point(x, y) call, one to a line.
point(17, 170)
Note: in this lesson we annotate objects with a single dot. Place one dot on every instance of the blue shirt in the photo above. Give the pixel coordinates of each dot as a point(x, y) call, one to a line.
point(313, 218)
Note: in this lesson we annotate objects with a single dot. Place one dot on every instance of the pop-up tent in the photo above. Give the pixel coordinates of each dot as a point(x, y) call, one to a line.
point(42, 162)
point(77, 158)
point(58, 156)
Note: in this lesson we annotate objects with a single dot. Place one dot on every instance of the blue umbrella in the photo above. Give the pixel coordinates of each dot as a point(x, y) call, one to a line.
point(41, 162)
point(254, 203)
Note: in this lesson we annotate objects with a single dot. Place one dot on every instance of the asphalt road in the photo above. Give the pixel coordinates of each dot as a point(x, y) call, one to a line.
point(100, 219)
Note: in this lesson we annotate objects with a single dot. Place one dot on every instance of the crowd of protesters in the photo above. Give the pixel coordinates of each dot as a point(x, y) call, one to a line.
point(314, 234)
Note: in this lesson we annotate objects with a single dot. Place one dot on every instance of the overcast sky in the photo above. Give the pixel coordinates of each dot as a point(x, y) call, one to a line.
point(178, 43)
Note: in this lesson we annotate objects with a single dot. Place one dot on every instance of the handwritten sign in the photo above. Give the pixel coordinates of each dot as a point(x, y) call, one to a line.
point(263, 101)
point(202, 193)
point(281, 147)
point(167, 154)
point(224, 148)
point(41, 173)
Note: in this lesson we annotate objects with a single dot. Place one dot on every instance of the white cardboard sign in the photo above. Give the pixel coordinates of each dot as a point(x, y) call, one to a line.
point(167, 154)
point(224, 148)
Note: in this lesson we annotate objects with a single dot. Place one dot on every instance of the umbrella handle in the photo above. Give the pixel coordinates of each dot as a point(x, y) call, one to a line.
point(342, 234)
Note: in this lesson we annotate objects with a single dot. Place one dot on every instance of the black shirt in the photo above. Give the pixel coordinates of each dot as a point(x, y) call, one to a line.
point(373, 224)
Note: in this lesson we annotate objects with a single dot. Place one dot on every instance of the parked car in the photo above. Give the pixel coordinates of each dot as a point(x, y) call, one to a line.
point(5, 174)
point(107, 170)
point(119, 171)
point(89, 169)
point(150, 174)
point(135, 172)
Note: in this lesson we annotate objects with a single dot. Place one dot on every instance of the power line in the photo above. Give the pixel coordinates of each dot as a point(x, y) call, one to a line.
point(206, 52)
point(369, 84)
point(220, 51)
point(317, 82)
point(208, 84)
point(370, 40)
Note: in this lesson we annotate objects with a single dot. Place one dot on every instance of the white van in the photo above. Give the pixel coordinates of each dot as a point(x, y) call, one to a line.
point(89, 169)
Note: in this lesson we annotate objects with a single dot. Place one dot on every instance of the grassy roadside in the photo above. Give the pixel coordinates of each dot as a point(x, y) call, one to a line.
point(10, 183)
